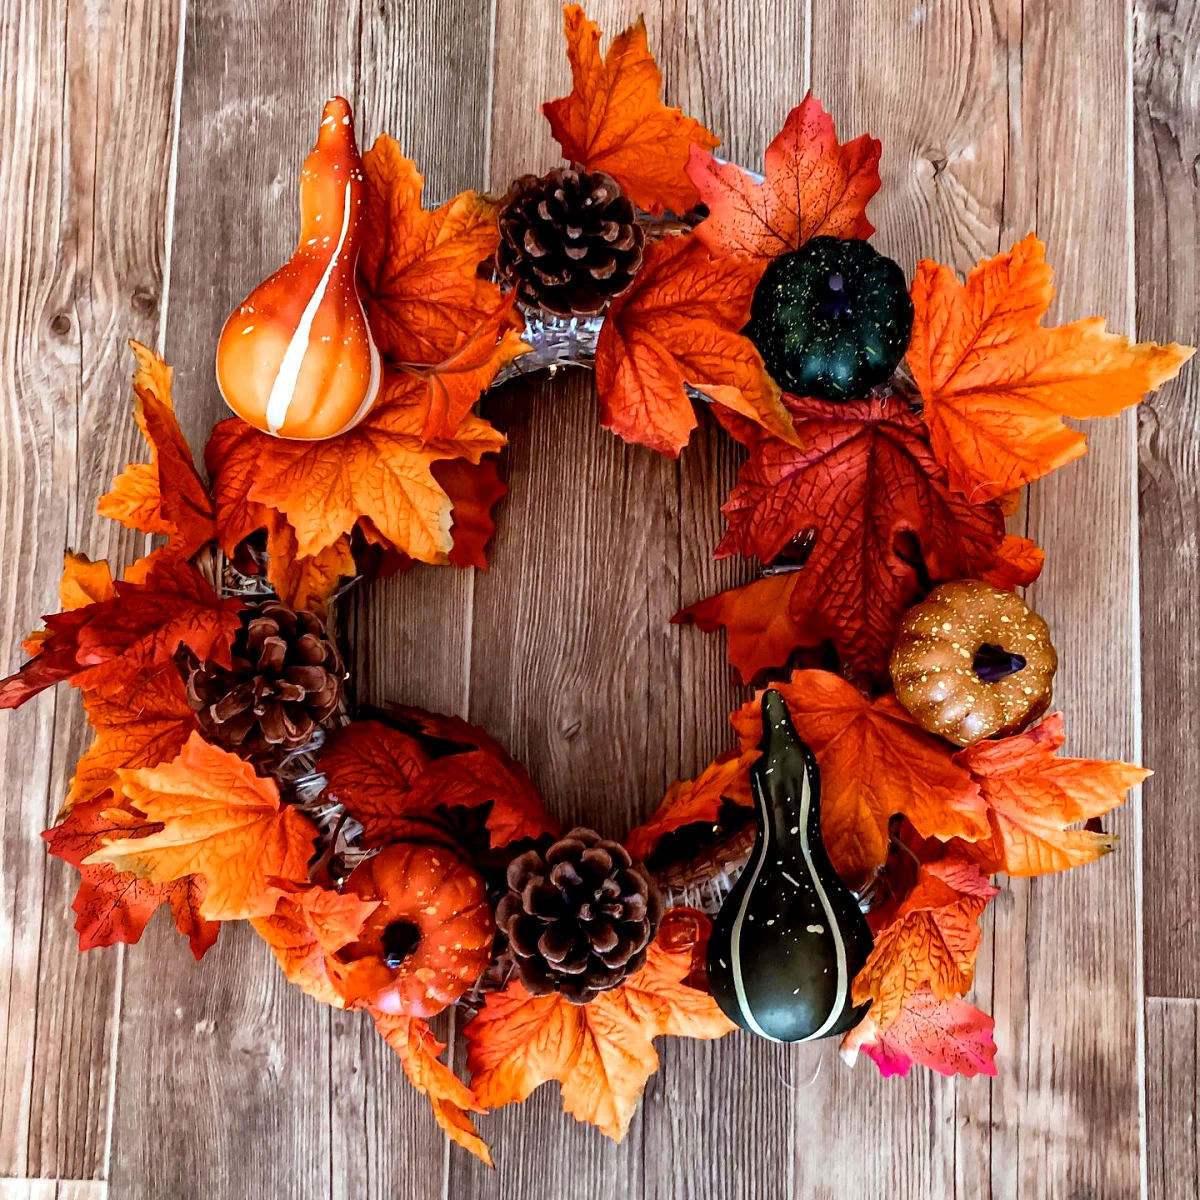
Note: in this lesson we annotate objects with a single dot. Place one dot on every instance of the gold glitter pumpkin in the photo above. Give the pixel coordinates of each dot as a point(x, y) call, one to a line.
point(972, 661)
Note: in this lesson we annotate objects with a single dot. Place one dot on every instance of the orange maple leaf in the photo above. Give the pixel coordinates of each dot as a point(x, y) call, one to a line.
point(105, 645)
point(678, 326)
point(601, 1053)
point(219, 820)
point(1018, 563)
point(1033, 796)
point(452, 386)
point(450, 1098)
point(875, 762)
point(996, 383)
point(142, 725)
point(418, 269)
point(614, 119)
point(304, 583)
point(380, 469)
point(386, 780)
point(760, 630)
point(931, 940)
point(699, 799)
point(309, 925)
point(165, 495)
point(114, 906)
point(814, 187)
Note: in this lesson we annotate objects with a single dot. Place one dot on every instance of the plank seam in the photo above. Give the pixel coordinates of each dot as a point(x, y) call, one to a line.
point(172, 179)
point(1139, 926)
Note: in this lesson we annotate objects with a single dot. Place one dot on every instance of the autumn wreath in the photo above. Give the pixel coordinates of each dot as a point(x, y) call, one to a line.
point(400, 861)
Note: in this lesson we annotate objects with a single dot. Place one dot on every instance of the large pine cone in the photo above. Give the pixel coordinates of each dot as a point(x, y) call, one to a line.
point(580, 917)
point(569, 241)
point(286, 679)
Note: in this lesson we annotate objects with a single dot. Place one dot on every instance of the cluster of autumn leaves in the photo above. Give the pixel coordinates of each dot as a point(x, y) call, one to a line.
point(869, 503)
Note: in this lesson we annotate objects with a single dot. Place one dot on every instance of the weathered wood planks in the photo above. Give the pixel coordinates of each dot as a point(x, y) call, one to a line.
point(994, 119)
point(1166, 127)
point(85, 150)
point(224, 1067)
point(1172, 1098)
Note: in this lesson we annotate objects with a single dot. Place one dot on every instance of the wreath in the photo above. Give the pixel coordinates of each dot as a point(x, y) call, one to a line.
point(827, 874)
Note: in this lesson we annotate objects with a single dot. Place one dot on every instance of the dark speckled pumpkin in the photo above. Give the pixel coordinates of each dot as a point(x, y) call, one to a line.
point(831, 319)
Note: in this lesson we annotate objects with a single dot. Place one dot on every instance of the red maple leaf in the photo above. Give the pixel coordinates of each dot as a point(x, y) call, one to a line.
point(865, 515)
point(114, 906)
point(813, 186)
point(165, 495)
point(387, 780)
point(103, 647)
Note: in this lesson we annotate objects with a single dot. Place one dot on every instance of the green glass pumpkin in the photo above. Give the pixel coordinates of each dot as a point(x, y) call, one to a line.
point(831, 319)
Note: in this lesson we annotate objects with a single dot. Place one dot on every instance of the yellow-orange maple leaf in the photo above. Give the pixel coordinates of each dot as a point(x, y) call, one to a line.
point(304, 583)
point(875, 762)
point(601, 1053)
point(996, 383)
point(220, 820)
point(381, 469)
point(614, 119)
point(418, 269)
point(699, 799)
point(165, 495)
point(814, 187)
point(450, 1098)
point(931, 940)
point(452, 386)
point(679, 325)
point(1033, 796)
point(306, 930)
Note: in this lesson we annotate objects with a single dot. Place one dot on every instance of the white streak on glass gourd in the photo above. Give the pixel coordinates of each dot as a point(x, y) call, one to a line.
point(790, 937)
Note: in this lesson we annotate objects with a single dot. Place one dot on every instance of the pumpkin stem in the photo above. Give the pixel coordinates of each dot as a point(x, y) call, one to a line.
point(993, 663)
point(399, 940)
point(836, 303)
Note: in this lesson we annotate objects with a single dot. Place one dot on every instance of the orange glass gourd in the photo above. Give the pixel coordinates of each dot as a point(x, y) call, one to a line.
point(296, 358)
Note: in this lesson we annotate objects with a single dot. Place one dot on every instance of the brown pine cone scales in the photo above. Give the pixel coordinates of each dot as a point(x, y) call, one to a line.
point(569, 241)
point(287, 678)
point(580, 917)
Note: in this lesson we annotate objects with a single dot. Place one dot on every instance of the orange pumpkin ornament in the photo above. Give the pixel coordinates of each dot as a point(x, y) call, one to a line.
point(433, 927)
point(296, 358)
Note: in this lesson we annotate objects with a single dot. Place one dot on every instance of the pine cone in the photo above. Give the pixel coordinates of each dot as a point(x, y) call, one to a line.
point(580, 917)
point(569, 241)
point(286, 679)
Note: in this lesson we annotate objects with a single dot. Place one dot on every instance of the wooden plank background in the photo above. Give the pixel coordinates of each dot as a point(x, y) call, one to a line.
point(148, 154)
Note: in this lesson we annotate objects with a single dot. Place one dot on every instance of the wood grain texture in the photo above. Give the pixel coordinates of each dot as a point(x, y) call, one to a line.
point(224, 1068)
point(411, 633)
point(85, 109)
point(1173, 1098)
point(943, 169)
point(995, 118)
point(1071, 956)
point(1166, 115)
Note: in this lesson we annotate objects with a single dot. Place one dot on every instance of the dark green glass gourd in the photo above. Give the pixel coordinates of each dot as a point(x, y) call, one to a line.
point(831, 319)
point(790, 937)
